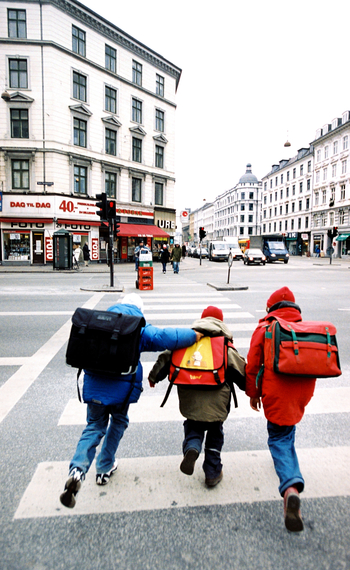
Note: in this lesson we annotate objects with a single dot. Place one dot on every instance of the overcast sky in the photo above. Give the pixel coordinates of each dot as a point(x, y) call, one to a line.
point(254, 73)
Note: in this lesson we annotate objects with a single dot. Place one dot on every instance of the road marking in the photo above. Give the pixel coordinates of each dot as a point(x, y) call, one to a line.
point(171, 316)
point(153, 483)
point(194, 305)
point(17, 385)
point(14, 360)
point(325, 401)
point(34, 313)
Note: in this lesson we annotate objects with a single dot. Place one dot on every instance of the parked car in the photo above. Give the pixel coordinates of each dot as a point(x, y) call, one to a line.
point(203, 252)
point(254, 256)
point(190, 250)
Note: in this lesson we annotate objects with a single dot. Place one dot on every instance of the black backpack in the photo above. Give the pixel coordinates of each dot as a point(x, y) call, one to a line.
point(104, 342)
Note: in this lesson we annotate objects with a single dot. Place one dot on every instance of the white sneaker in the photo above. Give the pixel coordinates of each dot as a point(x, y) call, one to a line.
point(103, 478)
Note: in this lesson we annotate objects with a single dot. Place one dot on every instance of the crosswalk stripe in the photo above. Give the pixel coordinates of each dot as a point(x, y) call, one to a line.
point(192, 305)
point(325, 401)
point(14, 360)
point(174, 316)
point(153, 483)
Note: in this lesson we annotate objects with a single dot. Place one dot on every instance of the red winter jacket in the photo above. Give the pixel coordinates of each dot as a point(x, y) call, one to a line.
point(283, 397)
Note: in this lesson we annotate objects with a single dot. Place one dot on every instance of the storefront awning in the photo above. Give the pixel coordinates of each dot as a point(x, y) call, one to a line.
point(342, 237)
point(140, 230)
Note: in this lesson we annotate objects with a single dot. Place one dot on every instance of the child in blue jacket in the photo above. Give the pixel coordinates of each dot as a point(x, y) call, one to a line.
point(107, 410)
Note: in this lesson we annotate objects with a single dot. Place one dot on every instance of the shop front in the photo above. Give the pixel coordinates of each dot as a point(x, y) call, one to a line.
point(343, 242)
point(130, 235)
point(298, 243)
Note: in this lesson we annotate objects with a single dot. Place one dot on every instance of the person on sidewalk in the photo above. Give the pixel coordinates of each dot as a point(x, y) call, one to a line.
point(176, 257)
point(86, 254)
point(284, 400)
point(164, 257)
point(108, 399)
point(205, 410)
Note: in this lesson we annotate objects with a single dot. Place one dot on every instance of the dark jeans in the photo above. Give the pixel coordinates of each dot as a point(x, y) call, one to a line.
point(214, 441)
point(281, 444)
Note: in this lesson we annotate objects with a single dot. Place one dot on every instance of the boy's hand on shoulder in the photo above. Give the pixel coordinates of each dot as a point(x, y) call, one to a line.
point(198, 335)
point(255, 404)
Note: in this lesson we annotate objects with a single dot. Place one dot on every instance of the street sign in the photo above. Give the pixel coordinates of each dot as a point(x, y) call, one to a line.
point(45, 183)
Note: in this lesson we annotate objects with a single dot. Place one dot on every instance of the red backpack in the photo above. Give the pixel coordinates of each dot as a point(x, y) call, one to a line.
point(303, 348)
point(202, 365)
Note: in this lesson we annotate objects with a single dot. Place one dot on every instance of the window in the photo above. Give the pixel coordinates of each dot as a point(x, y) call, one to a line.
point(242, 195)
point(110, 99)
point(80, 128)
point(136, 72)
point(325, 173)
point(265, 186)
point(19, 124)
point(307, 206)
point(159, 120)
point(251, 207)
point(292, 224)
point(159, 85)
point(78, 41)
point(251, 195)
point(343, 166)
point(345, 142)
point(136, 190)
point(281, 178)
point(111, 142)
point(80, 179)
point(335, 147)
point(136, 110)
point(324, 195)
point(334, 170)
point(158, 194)
point(300, 187)
point(281, 210)
point(242, 207)
point(110, 58)
point(293, 206)
point(306, 222)
point(300, 205)
point(341, 217)
point(316, 198)
point(308, 184)
point(110, 184)
point(242, 219)
point(342, 192)
point(136, 149)
point(287, 208)
point(286, 225)
point(293, 190)
point(299, 223)
point(288, 176)
point(79, 86)
point(318, 155)
point(294, 172)
point(16, 20)
point(250, 219)
point(317, 176)
point(333, 193)
point(276, 196)
point(309, 166)
point(287, 192)
point(159, 159)
point(18, 73)
point(301, 169)
point(326, 151)
point(271, 183)
point(276, 181)
point(250, 231)
point(20, 174)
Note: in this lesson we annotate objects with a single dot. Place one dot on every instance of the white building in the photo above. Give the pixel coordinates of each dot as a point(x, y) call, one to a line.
point(331, 192)
point(238, 210)
point(286, 200)
point(85, 109)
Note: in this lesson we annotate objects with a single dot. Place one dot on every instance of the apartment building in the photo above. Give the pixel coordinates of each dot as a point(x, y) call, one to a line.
point(85, 109)
point(331, 190)
point(238, 210)
point(287, 200)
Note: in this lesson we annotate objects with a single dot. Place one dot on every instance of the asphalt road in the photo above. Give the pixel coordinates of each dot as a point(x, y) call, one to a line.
point(150, 515)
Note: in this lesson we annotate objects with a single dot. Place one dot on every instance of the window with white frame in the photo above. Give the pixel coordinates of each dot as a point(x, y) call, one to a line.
point(317, 176)
point(159, 156)
point(335, 147)
point(158, 193)
point(318, 155)
point(110, 58)
point(159, 120)
point(79, 86)
point(326, 151)
point(331, 218)
point(343, 166)
point(20, 174)
point(317, 197)
point(80, 132)
point(342, 191)
point(309, 166)
point(333, 193)
point(334, 170)
point(136, 72)
point(324, 196)
point(18, 73)
point(345, 142)
point(136, 190)
point(80, 179)
point(19, 123)
point(325, 170)
point(78, 41)
point(159, 85)
point(111, 142)
point(111, 184)
point(341, 217)
point(136, 110)
point(110, 99)
point(136, 149)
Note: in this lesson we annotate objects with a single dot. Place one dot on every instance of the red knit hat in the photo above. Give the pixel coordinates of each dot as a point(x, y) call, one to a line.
point(283, 294)
point(213, 312)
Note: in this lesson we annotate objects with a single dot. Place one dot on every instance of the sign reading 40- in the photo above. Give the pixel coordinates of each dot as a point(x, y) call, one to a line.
point(67, 206)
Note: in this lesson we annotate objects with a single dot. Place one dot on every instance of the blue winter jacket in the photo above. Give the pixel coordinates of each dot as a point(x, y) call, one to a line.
point(108, 390)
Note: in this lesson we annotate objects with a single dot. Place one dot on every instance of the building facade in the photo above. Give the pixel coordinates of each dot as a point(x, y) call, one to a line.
point(85, 109)
point(287, 201)
point(331, 191)
point(238, 210)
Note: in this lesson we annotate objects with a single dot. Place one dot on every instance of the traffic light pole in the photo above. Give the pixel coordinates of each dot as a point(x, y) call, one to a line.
point(110, 251)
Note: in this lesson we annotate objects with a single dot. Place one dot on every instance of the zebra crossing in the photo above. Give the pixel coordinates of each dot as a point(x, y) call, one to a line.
point(155, 482)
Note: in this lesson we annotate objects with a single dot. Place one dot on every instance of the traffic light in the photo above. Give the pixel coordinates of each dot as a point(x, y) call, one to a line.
point(334, 231)
point(111, 209)
point(116, 229)
point(102, 206)
point(202, 233)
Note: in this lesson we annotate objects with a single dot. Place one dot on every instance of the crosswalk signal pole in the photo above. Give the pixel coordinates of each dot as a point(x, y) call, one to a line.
point(111, 214)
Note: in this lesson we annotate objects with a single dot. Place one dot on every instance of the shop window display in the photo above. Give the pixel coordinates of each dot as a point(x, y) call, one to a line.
point(16, 246)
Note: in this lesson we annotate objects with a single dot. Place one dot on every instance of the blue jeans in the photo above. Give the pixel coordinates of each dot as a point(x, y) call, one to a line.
point(176, 266)
point(281, 443)
point(214, 441)
point(97, 427)
point(164, 266)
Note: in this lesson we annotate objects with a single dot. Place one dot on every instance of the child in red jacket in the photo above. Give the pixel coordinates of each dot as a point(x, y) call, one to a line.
point(284, 400)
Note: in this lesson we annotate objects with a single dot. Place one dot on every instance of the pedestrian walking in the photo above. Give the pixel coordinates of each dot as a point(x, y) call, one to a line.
point(86, 254)
point(284, 400)
point(205, 410)
point(183, 251)
point(164, 257)
point(176, 257)
point(78, 254)
point(107, 410)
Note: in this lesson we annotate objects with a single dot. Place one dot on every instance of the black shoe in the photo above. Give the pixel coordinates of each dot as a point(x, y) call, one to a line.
point(103, 478)
point(71, 488)
point(188, 462)
point(215, 481)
